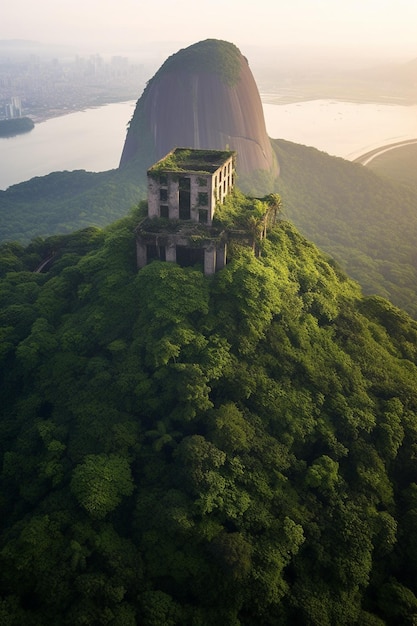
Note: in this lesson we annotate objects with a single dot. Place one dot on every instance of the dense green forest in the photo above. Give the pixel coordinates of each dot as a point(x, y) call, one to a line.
point(399, 164)
point(63, 202)
point(187, 450)
point(15, 126)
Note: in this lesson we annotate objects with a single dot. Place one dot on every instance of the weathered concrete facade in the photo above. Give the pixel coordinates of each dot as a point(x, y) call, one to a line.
point(187, 184)
point(179, 248)
point(185, 187)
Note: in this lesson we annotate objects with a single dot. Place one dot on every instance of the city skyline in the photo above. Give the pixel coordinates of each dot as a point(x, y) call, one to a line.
point(368, 28)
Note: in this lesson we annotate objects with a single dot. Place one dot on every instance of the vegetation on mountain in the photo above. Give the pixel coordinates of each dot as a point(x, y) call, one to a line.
point(368, 223)
point(62, 202)
point(15, 126)
point(210, 55)
point(399, 164)
point(188, 450)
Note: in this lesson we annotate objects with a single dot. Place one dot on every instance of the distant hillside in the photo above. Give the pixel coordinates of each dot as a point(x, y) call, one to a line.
point(177, 450)
point(368, 223)
point(399, 78)
point(62, 202)
point(399, 165)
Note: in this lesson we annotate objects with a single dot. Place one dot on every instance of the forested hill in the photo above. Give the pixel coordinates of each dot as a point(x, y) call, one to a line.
point(15, 126)
point(63, 202)
point(180, 449)
point(367, 222)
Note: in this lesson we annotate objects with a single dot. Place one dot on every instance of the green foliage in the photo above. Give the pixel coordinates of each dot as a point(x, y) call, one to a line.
point(15, 126)
point(366, 222)
point(100, 482)
point(179, 449)
point(398, 164)
point(186, 159)
point(323, 474)
point(63, 202)
point(211, 55)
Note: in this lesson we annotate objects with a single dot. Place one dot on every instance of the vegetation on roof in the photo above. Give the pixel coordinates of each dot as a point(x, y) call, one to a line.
point(186, 159)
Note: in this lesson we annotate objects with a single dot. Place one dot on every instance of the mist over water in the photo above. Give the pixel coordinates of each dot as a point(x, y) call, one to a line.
point(93, 139)
point(344, 129)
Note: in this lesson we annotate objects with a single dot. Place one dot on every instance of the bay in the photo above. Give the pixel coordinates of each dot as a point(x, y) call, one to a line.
point(93, 139)
point(89, 140)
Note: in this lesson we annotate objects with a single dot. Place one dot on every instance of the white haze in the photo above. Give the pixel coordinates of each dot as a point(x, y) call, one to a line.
point(267, 32)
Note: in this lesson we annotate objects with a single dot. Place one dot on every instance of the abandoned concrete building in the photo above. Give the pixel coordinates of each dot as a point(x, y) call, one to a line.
point(184, 189)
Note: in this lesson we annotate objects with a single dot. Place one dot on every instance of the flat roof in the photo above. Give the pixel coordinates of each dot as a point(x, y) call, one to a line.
point(192, 160)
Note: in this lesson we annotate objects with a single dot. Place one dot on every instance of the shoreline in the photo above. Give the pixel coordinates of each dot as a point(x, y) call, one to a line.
point(282, 99)
point(277, 99)
point(370, 155)
point(332, 137)
point(54, 113)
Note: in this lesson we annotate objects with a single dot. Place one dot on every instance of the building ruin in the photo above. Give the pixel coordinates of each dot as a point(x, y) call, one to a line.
point(184, 189)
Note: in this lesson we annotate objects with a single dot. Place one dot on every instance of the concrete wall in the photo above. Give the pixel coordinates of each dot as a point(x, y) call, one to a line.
point(223, 181)
point(153, 197)
point(164, 190)
point(141, 256)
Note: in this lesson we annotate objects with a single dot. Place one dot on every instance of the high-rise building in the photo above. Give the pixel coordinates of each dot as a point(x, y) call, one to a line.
point(13, 108)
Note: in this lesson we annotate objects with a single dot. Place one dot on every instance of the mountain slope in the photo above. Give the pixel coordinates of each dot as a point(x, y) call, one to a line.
point(368, 223)
point(399, 164)
point(178, 449)
point(63, 202)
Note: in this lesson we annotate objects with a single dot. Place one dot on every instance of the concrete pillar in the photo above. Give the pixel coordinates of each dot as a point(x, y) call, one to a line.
point(153, 197)
point(209, 261)
point(141, 256)
point(173, 198)
point(221, 254)
point(171, 253)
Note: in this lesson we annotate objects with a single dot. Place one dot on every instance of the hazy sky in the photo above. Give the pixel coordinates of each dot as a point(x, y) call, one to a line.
point(120, 26)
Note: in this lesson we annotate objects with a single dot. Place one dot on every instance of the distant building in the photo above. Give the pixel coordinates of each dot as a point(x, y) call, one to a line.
point(184, 188)
point(13, 108)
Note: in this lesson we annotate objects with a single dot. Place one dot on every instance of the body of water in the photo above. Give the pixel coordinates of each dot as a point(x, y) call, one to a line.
point(93, 139)
point(344, 129)
point(89, 140)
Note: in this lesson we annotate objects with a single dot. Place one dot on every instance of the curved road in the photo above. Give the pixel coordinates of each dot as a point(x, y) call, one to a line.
point(366, 158)
point(44, 263)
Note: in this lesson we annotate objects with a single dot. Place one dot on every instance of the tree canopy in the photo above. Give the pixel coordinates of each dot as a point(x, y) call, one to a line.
point(188, 450)
point(365, 221)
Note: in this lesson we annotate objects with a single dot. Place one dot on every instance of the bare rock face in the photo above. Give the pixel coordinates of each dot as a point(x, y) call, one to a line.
point(204, 96)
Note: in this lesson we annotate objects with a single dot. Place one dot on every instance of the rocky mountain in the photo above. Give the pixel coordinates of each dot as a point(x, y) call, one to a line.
point(204, 96)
